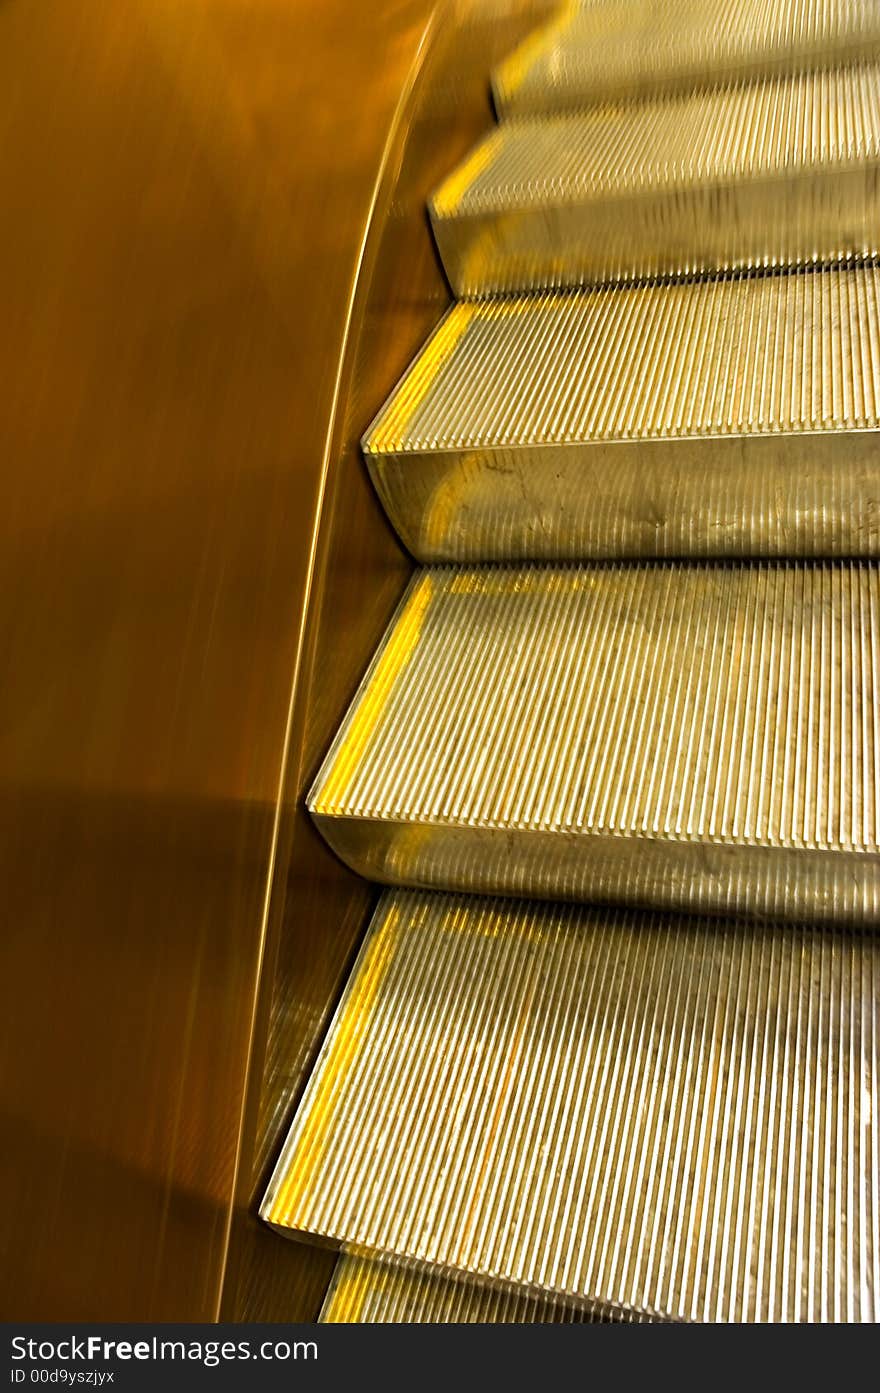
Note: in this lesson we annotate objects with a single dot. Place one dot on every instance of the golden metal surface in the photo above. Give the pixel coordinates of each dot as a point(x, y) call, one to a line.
point(735, 416)
point(186, 191)
point(597, 52)
point(779, 171)
point(654, 1114)
point(699, 737)
point(367, 1291)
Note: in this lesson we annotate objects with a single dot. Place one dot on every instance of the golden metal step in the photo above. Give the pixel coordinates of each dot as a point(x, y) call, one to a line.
point(607, 51)
point(658, 1114)
point(780, 171)
point(732, 416)
point(368, 1291)
point(699, 737)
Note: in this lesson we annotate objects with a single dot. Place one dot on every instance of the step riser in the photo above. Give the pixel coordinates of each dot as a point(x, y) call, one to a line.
point(759, 496)
point(818, 215)
point(831, 887)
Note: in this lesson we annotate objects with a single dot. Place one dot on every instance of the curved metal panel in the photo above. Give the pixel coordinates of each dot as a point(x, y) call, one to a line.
point(185, 198)
point(318, 909)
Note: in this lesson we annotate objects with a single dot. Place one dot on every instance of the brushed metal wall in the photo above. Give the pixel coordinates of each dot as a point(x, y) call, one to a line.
point(318, 910)
point(187, 190)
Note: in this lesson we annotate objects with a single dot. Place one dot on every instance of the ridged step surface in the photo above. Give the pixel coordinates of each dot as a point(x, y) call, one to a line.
point(780, 171)
point(700, 737)
point(662, 1115)
point(608, 51)
point(368, 1291)
point(732, 416)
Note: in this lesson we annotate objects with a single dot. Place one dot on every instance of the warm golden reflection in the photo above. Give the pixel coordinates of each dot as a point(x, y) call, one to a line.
point(187, 189)
point(230, 227)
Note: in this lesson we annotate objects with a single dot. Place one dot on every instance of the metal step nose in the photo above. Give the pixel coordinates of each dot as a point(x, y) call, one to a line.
point(633, 48)
point(372, 1292)
point(785, 170)
point(643, 1114)
point(737, 416)
point(697, 737)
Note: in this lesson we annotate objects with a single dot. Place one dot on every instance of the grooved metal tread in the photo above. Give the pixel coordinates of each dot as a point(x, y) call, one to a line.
point(704, 737)
point(368, 1291)
point(736, 415)
point(660, 1115)
point(753, 129)
point(611, 50)
point(778, 171)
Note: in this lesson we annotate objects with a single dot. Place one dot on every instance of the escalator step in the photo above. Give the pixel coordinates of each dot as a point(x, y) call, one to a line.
point(705, 738)
point(776, 172)
point(656, 1114)
point(627, 48)
point(732, 416)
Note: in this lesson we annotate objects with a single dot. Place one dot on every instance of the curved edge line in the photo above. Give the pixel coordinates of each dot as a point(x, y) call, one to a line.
point(389, 150)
